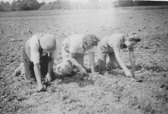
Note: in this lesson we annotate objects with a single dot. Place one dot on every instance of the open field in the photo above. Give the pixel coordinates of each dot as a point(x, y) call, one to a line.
point(99, 94)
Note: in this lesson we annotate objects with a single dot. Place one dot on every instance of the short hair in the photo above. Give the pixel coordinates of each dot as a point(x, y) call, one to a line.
point(134, 38)
point(131, 38)
point(90, 40)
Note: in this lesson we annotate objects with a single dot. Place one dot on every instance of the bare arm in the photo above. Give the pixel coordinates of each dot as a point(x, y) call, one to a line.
point(52, 54)
point(50, 69)
point(117, 55)
point(74, 62)
point(92, 61)
point(35, 58)
point(37, 73)
point(132, 59)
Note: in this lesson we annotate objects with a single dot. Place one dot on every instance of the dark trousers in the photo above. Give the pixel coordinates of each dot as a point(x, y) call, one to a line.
point(29, 66)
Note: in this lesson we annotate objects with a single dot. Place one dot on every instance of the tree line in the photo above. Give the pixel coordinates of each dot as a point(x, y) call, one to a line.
point(19, 5)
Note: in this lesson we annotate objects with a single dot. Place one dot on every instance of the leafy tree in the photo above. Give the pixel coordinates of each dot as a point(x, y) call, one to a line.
point(25, 5)
point(5, 6)
point(30, 5)
point(59, 4)
point(125, 2)
point(16, 5)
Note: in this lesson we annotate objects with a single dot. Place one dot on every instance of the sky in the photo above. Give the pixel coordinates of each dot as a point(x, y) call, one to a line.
point(68, 0)
point(48, 0)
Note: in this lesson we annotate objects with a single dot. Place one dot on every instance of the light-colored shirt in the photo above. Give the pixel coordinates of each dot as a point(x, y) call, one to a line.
point(107, 44)
point(32, 47)
point(74, 44)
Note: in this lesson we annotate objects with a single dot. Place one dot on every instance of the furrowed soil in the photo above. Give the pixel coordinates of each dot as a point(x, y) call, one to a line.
point(111, 93)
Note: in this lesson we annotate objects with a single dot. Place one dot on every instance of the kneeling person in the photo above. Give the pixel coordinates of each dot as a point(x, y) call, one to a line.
point(110, 46)
point(38, 58)
point(75, 47)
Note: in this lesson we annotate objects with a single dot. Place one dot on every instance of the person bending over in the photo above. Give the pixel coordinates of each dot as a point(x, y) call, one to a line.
point(38, 58)
point(110, 46)
point(75, 47)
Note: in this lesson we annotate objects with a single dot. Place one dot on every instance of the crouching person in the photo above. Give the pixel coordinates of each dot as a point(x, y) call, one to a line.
point(75, 47)
point(110, 46)
point(38, 58)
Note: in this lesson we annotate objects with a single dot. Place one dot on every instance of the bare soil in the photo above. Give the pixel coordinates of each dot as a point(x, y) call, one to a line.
point(111, 93)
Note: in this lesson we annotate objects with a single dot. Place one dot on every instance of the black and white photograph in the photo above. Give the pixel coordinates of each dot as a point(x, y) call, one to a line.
point(83, 56)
